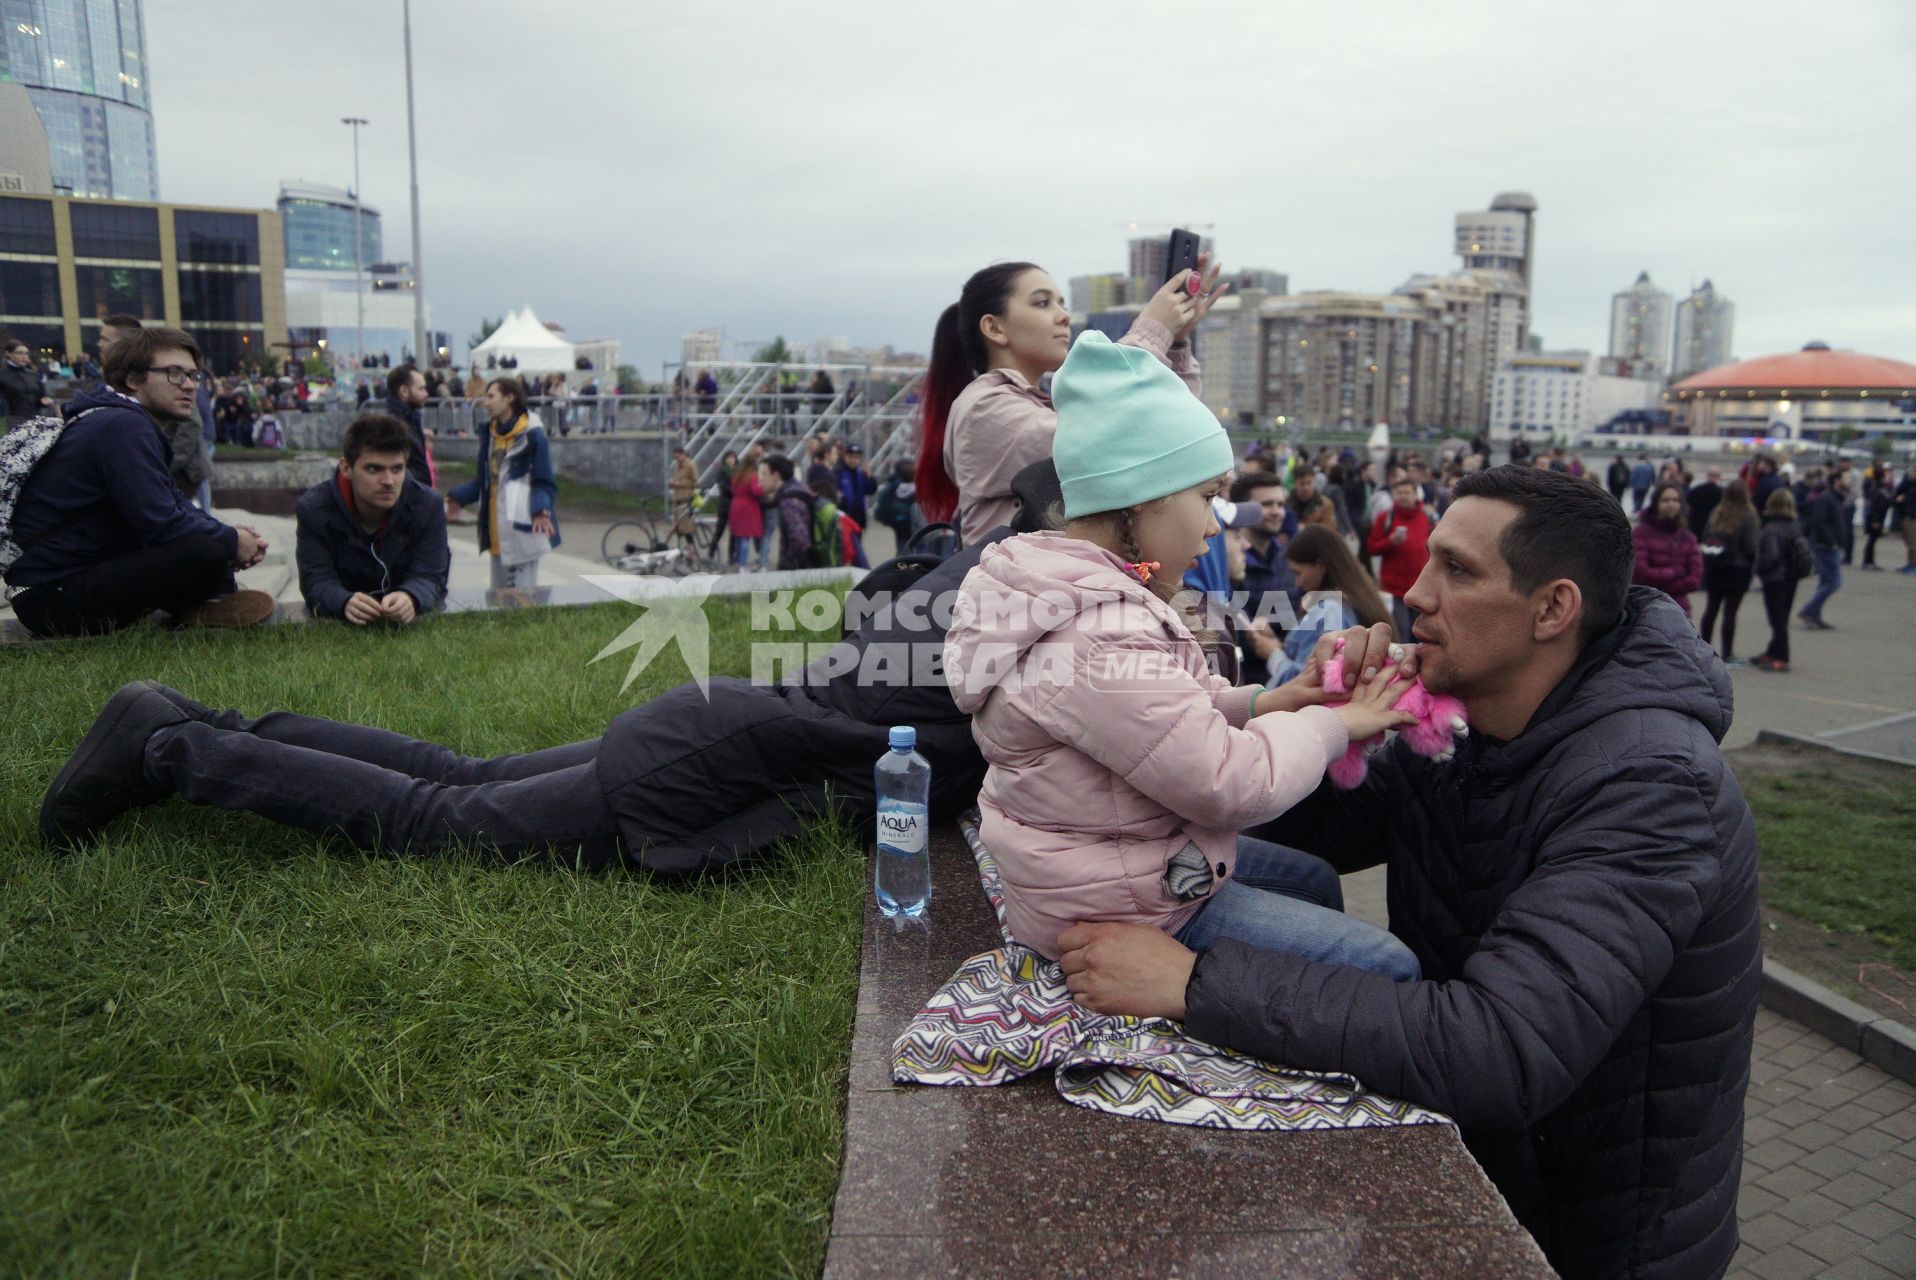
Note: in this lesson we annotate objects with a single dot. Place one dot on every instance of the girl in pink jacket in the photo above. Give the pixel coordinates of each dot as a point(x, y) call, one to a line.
point(1120, 770)
point(986, 416)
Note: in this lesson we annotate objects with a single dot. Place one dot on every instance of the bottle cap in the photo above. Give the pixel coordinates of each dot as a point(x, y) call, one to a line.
point(903, 737)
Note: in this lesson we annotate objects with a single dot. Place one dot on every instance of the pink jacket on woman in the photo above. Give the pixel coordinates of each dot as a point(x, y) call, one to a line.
point(1000, 424)
point(1109, 746)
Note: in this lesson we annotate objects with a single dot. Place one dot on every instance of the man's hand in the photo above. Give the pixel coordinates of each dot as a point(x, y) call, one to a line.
point(1365, 650)
point(398, 607)
point(1129, 969)
point(1261, 639)
point(453, 510)
point(362, 609)
point(252, 547)
point(1398, 535)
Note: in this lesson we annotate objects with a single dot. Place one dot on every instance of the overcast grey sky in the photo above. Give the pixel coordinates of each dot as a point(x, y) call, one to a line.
point(640, 170)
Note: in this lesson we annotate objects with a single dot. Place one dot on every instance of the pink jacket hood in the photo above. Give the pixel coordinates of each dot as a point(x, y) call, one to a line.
point(1110, 747)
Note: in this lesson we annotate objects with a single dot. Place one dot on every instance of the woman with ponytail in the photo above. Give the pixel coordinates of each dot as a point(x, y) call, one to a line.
point(986, 417)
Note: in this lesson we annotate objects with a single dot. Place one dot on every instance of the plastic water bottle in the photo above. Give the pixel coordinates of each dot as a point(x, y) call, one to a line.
point(901, 874)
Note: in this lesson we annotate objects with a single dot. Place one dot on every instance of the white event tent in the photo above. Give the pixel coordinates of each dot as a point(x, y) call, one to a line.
point(523, 337)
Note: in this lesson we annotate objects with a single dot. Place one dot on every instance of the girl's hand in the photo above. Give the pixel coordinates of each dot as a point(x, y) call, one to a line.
point(1207, 272)
point(542, 524)
point(1369, 711)
point(1173, 306)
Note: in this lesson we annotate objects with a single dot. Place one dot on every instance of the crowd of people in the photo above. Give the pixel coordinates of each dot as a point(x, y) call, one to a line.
point(1572, 963)
point(106, 510)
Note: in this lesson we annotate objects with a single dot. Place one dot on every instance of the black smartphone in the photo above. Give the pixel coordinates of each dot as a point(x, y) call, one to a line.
point(1183, 255)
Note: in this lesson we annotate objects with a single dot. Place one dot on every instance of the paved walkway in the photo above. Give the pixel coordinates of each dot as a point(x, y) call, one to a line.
point(1829, 1162)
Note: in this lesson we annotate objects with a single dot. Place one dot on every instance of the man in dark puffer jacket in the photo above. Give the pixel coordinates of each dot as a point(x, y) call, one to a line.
point(1579, 885)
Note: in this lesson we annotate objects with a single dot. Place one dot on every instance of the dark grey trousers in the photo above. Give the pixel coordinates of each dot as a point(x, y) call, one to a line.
point(389, 793)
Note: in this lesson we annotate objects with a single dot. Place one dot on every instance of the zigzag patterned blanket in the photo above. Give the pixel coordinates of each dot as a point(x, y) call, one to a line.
point(1006, 1014)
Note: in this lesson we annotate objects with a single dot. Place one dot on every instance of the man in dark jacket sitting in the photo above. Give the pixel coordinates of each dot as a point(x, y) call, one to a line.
point(106, 537)
point(1578, 884)
point(372, 542)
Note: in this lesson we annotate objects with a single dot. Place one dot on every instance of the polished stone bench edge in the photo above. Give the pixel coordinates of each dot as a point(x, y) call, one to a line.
point(1882, 1041)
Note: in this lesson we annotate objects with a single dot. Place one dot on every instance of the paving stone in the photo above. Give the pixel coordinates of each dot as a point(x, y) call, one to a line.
point(1787, 1263)
point(1811, 1209)
point(1901, 1124)
point(1833, 1242)
point(1815, 1135)
point(1829, 1095)
point(1790, 1181)
point(1752, 1202)
point(1794, 1112)
point(1857, 1269)
point(1897, 1253)
point(1827, 1158)
point(1887, 1098)
point(1878, 1221)
point(1791, 1056)
point(1761, 1129)
point(1854, 1189)
point(1770, 1231)
point(1774, 1154)
point(1870, 1142)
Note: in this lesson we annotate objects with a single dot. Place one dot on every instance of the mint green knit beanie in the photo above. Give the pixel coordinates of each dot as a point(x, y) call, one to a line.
point(1129, 430)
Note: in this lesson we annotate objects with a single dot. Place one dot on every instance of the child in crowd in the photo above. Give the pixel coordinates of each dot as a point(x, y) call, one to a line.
point(1120, 771)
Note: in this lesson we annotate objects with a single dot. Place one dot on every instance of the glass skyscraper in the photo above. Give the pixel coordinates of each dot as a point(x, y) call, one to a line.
point(83, 63)
point(319, 228)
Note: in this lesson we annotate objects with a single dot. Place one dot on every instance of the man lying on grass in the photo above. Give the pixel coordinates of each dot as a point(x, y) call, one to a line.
point(681, 784)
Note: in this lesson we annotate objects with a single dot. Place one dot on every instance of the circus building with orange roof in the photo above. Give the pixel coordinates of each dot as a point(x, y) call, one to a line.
point(1815, 394)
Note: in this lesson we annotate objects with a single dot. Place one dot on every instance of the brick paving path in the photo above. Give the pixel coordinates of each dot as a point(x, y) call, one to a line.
point(1829, 1162)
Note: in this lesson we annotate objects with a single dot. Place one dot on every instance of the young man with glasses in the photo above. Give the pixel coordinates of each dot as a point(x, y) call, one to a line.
point(106, 536)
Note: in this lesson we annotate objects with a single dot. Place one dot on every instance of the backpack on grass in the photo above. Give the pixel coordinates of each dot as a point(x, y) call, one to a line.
point(21, 450)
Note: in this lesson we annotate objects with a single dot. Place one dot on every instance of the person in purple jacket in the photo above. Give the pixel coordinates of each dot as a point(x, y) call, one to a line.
point(1668, 555)
point(106, 536)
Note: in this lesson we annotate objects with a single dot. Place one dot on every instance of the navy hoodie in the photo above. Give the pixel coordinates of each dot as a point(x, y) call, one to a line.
point(104, 490)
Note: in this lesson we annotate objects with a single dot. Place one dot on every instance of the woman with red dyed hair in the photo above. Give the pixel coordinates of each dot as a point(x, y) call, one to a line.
point(986, 417)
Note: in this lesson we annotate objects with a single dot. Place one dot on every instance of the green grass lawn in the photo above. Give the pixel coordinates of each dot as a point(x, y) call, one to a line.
point(1837, 840)
point(235, 1049)
point(574, 495)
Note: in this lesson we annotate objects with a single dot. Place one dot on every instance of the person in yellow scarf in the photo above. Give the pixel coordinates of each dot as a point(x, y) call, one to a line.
point(514, 487)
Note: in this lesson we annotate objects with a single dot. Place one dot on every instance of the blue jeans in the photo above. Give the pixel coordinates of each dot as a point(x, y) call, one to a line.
point(1829, 576)
point(743, 549)
point(1281, 899)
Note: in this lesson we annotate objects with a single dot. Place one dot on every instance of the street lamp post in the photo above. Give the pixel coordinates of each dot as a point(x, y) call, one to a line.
point(359, 252)
point(418, 259)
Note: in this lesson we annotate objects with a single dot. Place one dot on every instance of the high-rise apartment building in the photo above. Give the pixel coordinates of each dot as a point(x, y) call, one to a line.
point(1344, 360)
point(1704, 324)
point(1640, 327)
point(83, 63)
point(1098, 293)
point(1149, 257)
point(1502, 237)
point(702, 346)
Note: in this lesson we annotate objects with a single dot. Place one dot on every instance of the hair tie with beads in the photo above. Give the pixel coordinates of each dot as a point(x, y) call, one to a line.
point(1143, 569)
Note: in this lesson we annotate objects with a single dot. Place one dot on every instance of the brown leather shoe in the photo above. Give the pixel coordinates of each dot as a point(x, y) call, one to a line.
point(244, 608)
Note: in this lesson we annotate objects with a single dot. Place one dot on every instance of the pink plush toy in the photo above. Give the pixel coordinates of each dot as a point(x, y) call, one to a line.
point(1441, 720)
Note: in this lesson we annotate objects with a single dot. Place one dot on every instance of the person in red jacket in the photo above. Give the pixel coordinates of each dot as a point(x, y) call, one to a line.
point(1668, 556)
point(1401, 537)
